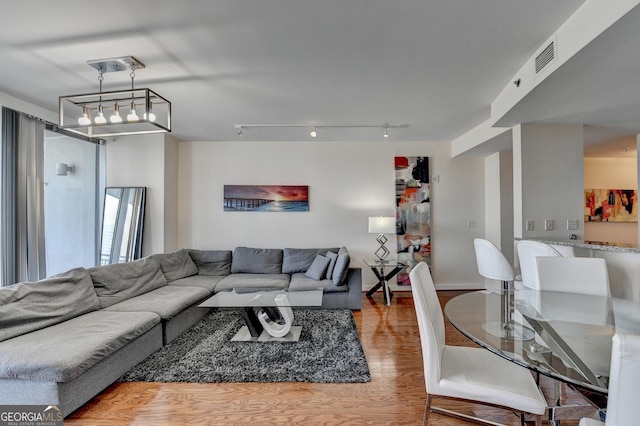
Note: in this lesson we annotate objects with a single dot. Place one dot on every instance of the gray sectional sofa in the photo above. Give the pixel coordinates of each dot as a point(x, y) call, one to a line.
point(66, 338)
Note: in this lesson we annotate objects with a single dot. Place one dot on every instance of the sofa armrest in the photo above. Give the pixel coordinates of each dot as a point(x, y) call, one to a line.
point(352, 299)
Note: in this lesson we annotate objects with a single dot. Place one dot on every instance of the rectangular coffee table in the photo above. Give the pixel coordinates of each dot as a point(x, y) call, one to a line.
point(267, 314)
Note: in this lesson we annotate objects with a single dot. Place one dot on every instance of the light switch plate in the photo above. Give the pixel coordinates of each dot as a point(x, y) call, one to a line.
point(548, 224)
point(572, 224)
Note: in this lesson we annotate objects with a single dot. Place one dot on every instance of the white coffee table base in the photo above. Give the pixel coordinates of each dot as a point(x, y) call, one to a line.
point(243, 335)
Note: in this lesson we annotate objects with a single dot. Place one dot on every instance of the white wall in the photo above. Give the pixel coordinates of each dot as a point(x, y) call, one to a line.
point(170, 194)
point(611, 173)
point(506, 205)
point(140, 161)
point(348, 182)
point(492, 197)
point(548, 179)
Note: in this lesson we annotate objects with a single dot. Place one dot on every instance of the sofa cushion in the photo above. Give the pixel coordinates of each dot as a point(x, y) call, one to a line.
point(122, 281)
point(207, 282)
point(333, 257)
point(253, 281)
point(318, 268)
point(247, 260)
point(26, 307)
point(212, 262)
point(300, 282)
point(300, 259)
point(176, 265)
point(167, 301)
point(64, 351)
point(342, 266)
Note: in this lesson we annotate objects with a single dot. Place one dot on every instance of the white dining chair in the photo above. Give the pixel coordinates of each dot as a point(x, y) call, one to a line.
point(528, 250)
point(466, 373)
point(565, 251)
point(584, 275)
point(587, 276)
point(624, 377)
point(491, 262)
point(494, 265)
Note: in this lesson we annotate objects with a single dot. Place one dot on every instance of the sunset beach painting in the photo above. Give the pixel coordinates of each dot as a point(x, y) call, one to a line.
point(266, 198)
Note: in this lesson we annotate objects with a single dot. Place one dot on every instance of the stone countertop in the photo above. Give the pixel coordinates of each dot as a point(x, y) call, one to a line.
point(589, 245)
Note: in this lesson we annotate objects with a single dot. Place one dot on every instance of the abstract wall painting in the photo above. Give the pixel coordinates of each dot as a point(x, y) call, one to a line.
point(266, 198)
point(413, 213)
point(610, 205)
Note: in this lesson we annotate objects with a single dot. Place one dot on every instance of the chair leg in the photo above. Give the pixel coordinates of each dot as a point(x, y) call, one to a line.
point(427, 410)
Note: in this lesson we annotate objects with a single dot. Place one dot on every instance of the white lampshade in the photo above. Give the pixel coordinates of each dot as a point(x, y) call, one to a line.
point(382, 225)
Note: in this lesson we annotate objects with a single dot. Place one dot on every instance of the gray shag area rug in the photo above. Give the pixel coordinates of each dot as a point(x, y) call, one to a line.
point(329, 351)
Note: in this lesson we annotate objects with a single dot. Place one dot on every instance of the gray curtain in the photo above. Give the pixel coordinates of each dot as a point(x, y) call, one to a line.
point(22, 198)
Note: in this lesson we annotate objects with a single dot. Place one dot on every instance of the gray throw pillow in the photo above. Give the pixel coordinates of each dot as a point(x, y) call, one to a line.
point(176, 265)
point(342, 266)
point(248, 260)
point(30, 306)
point(212, 262)
point(318, 268)
point(300, 259)
point(333, 257)
point(121, 281)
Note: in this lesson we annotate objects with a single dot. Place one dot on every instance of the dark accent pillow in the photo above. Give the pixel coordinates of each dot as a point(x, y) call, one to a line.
point(342, 266)
point(247, 260)
point(333, 257)
point(212, 262)
point(318, 268)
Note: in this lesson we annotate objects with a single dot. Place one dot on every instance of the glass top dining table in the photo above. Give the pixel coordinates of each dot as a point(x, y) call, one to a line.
point(571, 339)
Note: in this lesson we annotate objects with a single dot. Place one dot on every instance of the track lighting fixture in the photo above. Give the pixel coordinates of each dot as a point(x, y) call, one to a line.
point(155, 110)
point(314, 129)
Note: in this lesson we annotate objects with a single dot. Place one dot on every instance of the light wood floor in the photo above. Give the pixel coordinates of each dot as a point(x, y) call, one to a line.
point(395, 395)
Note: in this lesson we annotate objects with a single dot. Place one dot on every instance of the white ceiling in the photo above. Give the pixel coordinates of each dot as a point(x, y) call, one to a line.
point(435, 65)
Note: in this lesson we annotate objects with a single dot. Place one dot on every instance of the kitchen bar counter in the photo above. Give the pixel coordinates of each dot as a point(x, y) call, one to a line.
point(588, 245)
point(623, 262)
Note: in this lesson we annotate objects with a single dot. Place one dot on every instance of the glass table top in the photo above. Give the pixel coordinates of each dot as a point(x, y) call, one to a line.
point(573, 332)
point(263, 299)
point(377, 263)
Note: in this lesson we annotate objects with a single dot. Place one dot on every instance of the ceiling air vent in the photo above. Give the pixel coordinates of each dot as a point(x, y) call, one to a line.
point(546, 56)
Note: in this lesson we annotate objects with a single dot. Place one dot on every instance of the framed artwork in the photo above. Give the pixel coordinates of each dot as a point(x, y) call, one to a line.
point(610, 205)
point(266, 198)
point(413, 213)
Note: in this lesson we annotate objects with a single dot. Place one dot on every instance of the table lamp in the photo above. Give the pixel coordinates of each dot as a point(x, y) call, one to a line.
point(382, 225)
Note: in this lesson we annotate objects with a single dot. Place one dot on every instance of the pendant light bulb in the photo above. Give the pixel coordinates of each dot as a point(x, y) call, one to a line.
point(132, 116)
point(313, 133)
point(115, 117)
point(386, 132)
point(84, 120)
point(151, 116)
point(100, 119)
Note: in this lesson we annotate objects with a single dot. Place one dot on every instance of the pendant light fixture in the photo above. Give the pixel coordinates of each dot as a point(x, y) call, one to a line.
point(76, 111)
